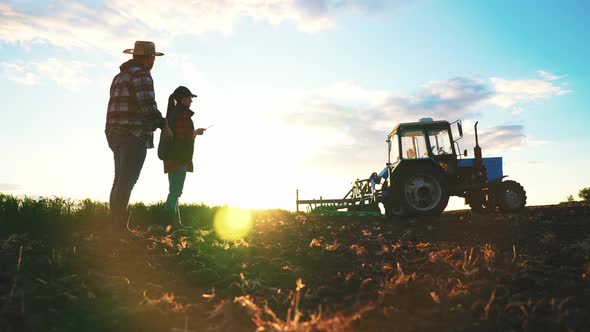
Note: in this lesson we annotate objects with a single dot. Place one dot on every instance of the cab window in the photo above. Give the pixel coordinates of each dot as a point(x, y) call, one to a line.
point(394, 149)
point(440, 142)
point(414, 144)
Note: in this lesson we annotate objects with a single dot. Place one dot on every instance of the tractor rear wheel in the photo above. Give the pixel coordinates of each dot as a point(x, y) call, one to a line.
point(423, 190)
point(511, 196)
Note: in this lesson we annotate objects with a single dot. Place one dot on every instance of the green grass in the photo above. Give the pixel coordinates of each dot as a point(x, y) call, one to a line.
point(54, 213)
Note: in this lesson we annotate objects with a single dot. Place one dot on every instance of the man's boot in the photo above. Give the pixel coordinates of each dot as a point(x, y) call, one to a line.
point(179, 223)
point(118, 221)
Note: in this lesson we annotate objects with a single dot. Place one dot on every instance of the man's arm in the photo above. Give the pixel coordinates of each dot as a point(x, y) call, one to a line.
point(146, 101)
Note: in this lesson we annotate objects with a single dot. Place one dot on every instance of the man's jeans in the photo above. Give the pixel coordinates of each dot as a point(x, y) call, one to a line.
point(129, 152)
point(176, 181)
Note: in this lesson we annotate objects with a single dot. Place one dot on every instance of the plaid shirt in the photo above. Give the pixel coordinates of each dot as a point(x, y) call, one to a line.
point(132, 106)
point(182, 127)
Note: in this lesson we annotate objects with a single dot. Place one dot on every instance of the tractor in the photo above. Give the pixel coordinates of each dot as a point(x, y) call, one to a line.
point(424, 168)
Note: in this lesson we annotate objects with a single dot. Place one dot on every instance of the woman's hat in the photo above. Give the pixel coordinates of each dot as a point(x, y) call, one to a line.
point(183, 91)
point(143, 48)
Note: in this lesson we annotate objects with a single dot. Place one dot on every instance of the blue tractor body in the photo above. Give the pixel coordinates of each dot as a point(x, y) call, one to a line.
point(493, 166)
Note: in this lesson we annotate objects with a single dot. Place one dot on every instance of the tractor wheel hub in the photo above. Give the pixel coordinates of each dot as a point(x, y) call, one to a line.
point(422, 192)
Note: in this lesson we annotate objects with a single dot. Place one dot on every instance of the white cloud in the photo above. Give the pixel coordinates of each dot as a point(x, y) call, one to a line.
point(439, 100)
point(321, 7)
point(17, 72)
point(345, 103)
point(500, 138)
point(510, 93)
point(547, 76)
point(355, 121)
point(70, 25)
point(111, 24)
point(67, 74)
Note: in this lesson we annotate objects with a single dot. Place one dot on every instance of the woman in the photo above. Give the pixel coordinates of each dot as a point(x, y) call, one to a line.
point(180, 150)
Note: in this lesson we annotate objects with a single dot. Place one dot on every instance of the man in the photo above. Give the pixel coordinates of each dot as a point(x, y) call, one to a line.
point(132, 116)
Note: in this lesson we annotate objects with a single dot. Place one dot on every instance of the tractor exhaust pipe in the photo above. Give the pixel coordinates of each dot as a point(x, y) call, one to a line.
point(476, 139)
point(477, 151)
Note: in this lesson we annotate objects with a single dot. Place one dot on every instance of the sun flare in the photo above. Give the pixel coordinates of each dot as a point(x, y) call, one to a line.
point(232, 223)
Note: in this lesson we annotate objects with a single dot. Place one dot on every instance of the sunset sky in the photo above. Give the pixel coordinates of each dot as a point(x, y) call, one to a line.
point(302, 93)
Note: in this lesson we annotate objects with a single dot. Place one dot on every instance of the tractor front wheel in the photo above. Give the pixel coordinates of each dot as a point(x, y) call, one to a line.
point(511, 196)
point(424, 191)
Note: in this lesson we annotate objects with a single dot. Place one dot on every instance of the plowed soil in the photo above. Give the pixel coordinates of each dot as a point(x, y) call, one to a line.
point(459, 272)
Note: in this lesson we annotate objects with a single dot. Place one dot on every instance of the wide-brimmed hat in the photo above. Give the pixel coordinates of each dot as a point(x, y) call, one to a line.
point(143, 48)
point(183, 91)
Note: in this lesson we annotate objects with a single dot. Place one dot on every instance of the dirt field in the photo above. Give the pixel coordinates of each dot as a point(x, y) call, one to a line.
point(459, 272)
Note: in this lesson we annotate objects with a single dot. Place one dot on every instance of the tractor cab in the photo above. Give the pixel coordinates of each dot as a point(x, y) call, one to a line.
point(425, 139)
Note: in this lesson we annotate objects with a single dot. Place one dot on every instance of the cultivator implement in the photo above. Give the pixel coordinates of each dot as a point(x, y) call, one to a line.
point(362, 199)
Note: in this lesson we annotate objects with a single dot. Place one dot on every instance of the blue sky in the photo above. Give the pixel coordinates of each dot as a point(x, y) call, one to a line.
point(302, 93)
